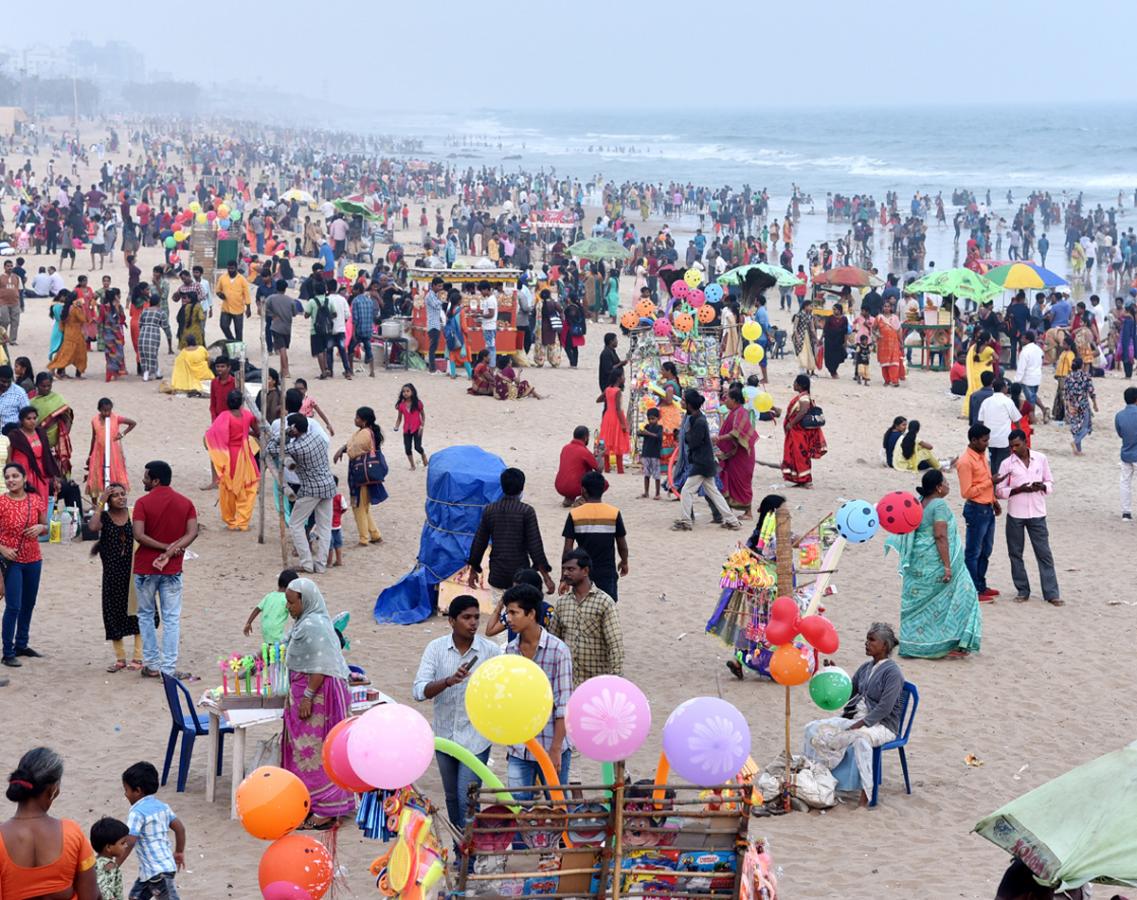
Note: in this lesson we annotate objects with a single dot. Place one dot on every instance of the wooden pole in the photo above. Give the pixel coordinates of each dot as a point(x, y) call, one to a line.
point(280, 487)
point(618, 838)
point(788, 783)
point(784, 552)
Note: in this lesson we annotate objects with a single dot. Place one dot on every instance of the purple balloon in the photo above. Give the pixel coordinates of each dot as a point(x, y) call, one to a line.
point(706, 740)
point(285, 890)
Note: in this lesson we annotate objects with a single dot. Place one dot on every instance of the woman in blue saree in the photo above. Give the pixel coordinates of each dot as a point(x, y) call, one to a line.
point(939, 608)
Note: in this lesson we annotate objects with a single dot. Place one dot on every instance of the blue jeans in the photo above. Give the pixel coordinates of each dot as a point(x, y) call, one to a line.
point(524, 772)
point(167, 591)
point(336, 345)
point(491, 346)
point(1083, 430)
point(1031, 392)
point(21, 586)
point(980, 519)
point(456, 781)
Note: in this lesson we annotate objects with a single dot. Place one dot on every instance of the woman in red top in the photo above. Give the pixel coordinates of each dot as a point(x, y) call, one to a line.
point(613, 424)
point(23, 519)
point(32, 835)
point(28, 445)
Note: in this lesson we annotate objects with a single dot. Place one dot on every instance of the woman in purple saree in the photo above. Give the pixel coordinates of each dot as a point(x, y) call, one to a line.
point(735, 443)
point(319, 698)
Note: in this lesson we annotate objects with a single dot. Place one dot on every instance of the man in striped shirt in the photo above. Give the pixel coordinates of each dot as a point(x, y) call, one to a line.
point(598, 529)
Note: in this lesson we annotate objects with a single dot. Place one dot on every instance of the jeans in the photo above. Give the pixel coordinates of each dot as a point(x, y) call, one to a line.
point(160, 887)
point(1084, 429)
point(167, 590)
point(1040, 544)
point(456, 781)
point(524, 772)
point(364, 342)
point(980, 541)
point(336, 345)
point(491, 346)
point(1127, 470)
point(1031, 391)
point(433, 335)
point(233, 326)
point(21, 586)
point(313, 557)
point(997, 454)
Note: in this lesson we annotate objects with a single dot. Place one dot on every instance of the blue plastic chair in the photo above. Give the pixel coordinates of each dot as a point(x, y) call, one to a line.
point(190, 726)
point(907, 717)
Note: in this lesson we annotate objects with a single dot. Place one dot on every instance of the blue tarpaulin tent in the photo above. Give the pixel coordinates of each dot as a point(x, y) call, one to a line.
point(460, 481)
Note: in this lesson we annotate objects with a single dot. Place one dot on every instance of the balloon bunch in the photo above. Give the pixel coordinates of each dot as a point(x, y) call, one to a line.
point(759, 399)
point(742, 570)
point(789, 666)
point(642, 315)
point(897, 513)
point(754, 352)
point(271, 804)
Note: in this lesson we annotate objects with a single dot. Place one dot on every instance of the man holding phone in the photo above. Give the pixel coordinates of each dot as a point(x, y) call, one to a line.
point(446, 664)
point(1024, 481)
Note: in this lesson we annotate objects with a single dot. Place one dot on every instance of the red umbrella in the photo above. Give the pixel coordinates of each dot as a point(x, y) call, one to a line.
point(849, 276)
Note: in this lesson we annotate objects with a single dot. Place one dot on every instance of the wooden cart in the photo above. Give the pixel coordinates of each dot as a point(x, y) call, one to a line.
point(504, 281)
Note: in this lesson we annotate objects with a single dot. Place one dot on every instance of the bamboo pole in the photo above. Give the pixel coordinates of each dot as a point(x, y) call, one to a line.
point(618, 827)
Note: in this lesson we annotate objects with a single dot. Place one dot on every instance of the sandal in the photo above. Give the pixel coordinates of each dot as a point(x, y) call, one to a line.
point(117, 666)
point(134, 665)
point(681, 526)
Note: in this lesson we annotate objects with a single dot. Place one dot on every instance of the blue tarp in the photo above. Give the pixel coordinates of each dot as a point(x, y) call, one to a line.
point(460, 481)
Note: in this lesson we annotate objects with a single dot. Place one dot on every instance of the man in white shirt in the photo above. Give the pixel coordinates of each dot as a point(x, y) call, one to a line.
point(57, 282)
point(1000, 414)
point(1029, 370)
point(41, 284)
point(489, 320)
point(339, 333)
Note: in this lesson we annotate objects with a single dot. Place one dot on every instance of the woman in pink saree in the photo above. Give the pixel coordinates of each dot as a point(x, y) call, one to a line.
point(318, 699)
point(232, 451)
point(735, 444)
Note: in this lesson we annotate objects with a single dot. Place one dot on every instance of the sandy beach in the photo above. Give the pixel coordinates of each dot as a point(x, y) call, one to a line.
point(1046, 693)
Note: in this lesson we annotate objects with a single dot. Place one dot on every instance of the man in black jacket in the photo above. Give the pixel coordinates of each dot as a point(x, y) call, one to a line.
point(701, 466)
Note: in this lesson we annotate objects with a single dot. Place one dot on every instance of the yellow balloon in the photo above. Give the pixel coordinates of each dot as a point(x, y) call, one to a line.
point(201, 218)
point(693, 277)
point(763, 402)
point(180, 236)
point(753, 353)
point(350, 272)
point(509, 699)
point(751, 330)
point(195, 207)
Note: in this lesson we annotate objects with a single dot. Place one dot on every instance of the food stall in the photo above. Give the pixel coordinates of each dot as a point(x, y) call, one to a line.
point(504, 281)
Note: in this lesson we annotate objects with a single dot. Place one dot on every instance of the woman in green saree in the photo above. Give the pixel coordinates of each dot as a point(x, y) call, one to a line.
point(939, 608)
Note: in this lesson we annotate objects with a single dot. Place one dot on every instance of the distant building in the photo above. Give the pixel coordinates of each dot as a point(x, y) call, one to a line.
point(12, 120)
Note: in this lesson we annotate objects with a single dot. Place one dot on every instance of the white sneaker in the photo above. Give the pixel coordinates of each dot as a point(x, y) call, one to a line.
point(145, 376)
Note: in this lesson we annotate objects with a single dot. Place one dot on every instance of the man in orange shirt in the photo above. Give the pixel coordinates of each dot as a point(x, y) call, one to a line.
point(236, 302)
point(979, 508)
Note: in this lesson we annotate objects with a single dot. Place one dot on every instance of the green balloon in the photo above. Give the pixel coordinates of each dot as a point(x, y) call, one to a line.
point(170, 243)
point(831, 688)
point(235, 215)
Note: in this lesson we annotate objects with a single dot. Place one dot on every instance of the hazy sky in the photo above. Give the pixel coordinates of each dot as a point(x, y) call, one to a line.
point(450, 55)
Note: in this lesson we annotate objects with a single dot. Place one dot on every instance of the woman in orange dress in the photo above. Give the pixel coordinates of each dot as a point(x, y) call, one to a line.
point(107, 422)
point(232, 450)
point(32, 835)
point(73, 350)
point(801, 445)
point(889, 350)
point(613, 424)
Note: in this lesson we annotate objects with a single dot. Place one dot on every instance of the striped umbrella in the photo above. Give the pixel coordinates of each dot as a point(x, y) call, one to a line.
point(1024, 276)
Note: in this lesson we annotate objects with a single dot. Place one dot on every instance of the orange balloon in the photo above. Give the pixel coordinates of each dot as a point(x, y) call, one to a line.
point(298, 860)
point(684, 322)
point(272, 802)
point(629, 320)
point(706, 314)
point(788, 666)
point(645, 308)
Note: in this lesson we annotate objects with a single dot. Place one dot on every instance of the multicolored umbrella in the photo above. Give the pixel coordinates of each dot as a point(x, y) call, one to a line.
point(298, 195)
point(1080, 827)
point(598, 248)
point(781, 277)
point(848, 276)
point(959, 282)
point(1024, 276)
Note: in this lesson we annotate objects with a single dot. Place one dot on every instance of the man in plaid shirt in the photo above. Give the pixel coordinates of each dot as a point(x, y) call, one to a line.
point(315, 492)
point(522, 604)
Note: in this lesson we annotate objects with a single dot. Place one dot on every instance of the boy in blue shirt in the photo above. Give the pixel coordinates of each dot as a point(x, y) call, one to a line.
point(150, 820)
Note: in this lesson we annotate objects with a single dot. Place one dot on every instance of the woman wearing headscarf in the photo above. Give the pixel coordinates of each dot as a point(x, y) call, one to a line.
point(318, 700)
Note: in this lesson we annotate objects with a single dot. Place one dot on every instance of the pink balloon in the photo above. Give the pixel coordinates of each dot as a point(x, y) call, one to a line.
point(390, 746)
point(608, 718)
point(821, 633)
point(335, 757)
point(211, 215)
point(284, 890)
point(679, 289)
point(662, 327)
point(696, 298)
point(222, 234)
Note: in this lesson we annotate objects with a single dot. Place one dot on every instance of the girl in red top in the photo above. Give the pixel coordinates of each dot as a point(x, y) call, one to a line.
point(22, 521)
point(412, 416)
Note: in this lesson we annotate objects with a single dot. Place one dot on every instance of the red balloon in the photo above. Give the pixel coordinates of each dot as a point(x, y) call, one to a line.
point(778, 633)
point(336, 764)
point(783, 609)
point(899, 512)
point(820, 633)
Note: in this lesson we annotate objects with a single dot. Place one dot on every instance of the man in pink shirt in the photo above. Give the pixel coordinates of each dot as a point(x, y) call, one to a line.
point(1024, 480)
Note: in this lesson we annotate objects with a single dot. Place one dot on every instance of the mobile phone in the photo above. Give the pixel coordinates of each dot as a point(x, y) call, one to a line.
point(470, 665)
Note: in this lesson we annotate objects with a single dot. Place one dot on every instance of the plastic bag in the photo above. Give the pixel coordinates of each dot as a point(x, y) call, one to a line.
point(813, 783)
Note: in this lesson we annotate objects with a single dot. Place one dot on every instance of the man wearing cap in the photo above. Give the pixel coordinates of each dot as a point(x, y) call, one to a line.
point(435, 304)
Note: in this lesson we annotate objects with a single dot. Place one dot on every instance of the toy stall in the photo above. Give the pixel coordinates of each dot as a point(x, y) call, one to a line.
point(770, 613)
point(504, 281)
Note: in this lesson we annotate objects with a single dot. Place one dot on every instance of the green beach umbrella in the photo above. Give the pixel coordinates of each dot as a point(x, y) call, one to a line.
point(351, 208)
point(598, 248)
point(1078, 828)
point(738, 275)
point(958, 282)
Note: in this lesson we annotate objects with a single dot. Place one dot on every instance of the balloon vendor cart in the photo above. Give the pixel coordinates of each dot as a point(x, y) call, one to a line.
point(613, 840)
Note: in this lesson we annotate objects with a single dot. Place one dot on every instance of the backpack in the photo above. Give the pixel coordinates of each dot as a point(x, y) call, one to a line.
point(325, 318)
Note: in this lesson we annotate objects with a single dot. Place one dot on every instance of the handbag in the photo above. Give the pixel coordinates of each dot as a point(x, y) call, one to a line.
point(814, 418)
point(368, 469)
point(556, 323)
